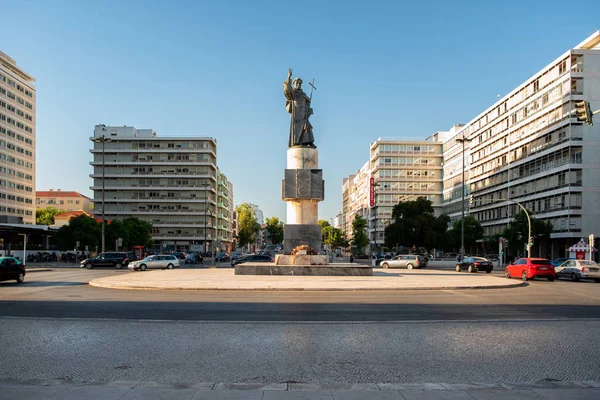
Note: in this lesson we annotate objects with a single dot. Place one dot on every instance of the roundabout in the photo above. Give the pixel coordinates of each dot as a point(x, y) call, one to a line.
point(225, 279)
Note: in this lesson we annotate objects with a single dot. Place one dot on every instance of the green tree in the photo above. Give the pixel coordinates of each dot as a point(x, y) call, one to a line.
point(274, 228)
point(359, 234)
point(84, 229)
point(518, 229)
point(473, 232)
point(247, 225)
point(133, 231)
point(45, 216)
point(415, 224)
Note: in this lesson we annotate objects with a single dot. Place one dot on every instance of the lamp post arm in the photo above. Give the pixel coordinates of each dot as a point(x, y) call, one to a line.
point(528, 220)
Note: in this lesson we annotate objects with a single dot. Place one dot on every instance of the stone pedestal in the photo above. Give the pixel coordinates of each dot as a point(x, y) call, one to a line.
point(302, 189)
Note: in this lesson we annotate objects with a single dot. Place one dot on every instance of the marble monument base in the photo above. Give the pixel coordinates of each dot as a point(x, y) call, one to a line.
point(303, 270)
point(295, 235)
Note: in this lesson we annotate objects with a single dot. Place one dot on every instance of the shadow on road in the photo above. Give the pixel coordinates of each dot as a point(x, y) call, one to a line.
point(267, 312)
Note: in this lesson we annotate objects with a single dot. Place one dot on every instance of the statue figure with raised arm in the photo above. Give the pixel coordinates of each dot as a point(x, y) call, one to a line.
point(298, 104)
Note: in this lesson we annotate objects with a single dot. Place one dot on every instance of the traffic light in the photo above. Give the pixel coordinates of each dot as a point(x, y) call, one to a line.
point(589, 113)
point(531, 241)
point(583, 112)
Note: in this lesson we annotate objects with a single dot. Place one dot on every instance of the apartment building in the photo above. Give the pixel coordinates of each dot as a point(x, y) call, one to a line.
point(17, 143)
point(170, 182)
point(224, 226)
point(402, 171)
point(530, 148)
point(63, 200)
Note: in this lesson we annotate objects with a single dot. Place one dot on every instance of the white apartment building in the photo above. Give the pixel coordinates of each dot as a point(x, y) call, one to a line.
point(17, 143)
point(529, 147)
point(403, 171)
point(170, 182)
point(399, 170)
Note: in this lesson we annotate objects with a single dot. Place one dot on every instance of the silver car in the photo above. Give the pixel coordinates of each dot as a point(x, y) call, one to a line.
point(578, 269)
point(162, 261)
point(409, 261)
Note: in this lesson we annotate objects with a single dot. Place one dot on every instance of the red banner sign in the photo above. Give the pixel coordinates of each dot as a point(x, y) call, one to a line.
point(372, 193)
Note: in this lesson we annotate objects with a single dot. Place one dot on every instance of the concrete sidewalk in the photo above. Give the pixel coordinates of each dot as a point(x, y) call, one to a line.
point(225, 279)
point(128, 390)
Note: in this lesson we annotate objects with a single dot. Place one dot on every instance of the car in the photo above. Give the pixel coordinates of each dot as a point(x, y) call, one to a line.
point(409, 261)
point(221, 257)
point(11, 268)
point(530, 268)
point(235, 255)
point(492, 257)
point(162, 261)
point(474, 264)
point(578, 269)
point(117, 260)
point(180, 255)
point(558, 261)
point(193, 258)
point(252, 258)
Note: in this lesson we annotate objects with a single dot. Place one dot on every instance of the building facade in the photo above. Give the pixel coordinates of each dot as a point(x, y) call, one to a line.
point(63, 200)
point(527, 148)
point(170, 182)
point(17, 143)
point(530, 148)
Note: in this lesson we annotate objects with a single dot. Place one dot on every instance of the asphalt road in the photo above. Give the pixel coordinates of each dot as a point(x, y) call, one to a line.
point(63, 293)
point(56, 327)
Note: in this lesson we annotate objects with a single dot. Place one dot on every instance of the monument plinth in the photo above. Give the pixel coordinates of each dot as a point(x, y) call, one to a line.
point(302, 189)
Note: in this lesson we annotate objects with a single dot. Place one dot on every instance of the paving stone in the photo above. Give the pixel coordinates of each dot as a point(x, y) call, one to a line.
point(474, 386)
point(333, 386)
point(592, 384)
point(435, 395)
point(29, 392)
point(299, 395)
point(229, 395)
point(501, 394)
point(411, 386)
point(159, 394)
point(570, 394)
point(93, 393)
point(366, 394)
point(251, 386)
point(201, 386)
point(545, 385)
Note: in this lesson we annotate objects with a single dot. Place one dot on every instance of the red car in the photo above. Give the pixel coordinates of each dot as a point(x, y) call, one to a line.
point(529, 268)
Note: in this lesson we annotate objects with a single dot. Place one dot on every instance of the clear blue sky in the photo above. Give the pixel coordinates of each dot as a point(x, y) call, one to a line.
point(387, 69)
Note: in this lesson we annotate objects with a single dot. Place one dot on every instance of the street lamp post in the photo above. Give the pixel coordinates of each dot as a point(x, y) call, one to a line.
point(103, 139)
point(462, 206)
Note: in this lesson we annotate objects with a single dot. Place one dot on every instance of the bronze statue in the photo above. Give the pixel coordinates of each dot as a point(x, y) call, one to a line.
point(298, 104)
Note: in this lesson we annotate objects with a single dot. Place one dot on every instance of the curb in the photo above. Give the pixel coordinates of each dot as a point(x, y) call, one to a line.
point(273, 289)
point(29, 271)
point(308, 387)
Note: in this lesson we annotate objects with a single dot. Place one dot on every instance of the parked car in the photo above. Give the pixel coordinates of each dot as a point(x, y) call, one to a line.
point(409, 261)
point(193, 258)
point(116, 260)
point(578, 269)
point(252, 258)
point(162, 261)
point(492, 257)
point(11, 268)
point(555, 263)
point(474, 264)
point(530, 268)
point(180, 255)
point(221, 257)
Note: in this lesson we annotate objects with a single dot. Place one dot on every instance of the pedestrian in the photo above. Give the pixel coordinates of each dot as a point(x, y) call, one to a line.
point(351, 258)
point(459, 258)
